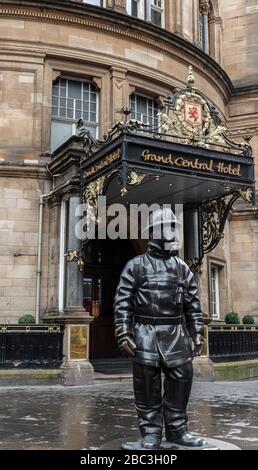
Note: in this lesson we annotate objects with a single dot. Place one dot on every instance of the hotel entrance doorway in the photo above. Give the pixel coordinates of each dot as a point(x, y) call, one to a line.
point(105, 260)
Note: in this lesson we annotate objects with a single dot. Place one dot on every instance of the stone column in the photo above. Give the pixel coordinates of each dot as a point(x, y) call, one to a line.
point(52, 311)
point(191, 238)
point(203, 366)
point(205, 9)
point(215, 45)
point(76, 368)
point(170, 15)
point(74, 278)
point(178, 17)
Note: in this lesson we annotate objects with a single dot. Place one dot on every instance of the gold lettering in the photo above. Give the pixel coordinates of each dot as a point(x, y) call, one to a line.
point(179, 161)
point(228, 169)
point(236, 171)
point(194, 164)
point(211, 166)
point(105, 162)
point(147, 156)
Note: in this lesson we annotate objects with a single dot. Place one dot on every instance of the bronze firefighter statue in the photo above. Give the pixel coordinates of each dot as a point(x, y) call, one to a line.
point(159, 323)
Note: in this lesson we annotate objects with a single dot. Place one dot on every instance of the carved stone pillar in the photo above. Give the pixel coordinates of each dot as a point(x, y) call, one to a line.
point(205, 9)
point(65, 288)
point(76, 368)
point(203, 366)
point(178, 16)
point(119, 93)
point(196, 23)
point(170, 15)
point(74, 278)
point(119, 5)
point(54, 206)
point(191, 234)
point(191, 239)
point(215, 29)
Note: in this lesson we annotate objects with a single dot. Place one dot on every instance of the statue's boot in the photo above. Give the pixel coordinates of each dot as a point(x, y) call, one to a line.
point(151, 442)
point(188, 440)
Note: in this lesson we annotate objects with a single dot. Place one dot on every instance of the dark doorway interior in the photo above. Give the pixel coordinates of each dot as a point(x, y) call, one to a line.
point(105, 260)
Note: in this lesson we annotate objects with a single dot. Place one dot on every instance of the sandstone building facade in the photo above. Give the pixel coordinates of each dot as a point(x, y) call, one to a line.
point(64, 60)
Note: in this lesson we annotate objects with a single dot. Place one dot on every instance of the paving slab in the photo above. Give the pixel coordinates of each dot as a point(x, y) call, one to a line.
point(94, 416)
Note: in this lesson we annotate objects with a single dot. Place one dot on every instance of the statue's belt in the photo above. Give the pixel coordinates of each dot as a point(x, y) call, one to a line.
point(176, 320)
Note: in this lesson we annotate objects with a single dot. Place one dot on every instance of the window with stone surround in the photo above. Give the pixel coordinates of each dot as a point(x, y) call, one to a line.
point(214, 291)
point(144, 109)
point(72, 99)
point(97, 3)
point(149, 10)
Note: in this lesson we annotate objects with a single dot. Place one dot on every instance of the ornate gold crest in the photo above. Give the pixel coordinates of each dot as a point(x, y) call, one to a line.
point(190, 118)
point(193, 112)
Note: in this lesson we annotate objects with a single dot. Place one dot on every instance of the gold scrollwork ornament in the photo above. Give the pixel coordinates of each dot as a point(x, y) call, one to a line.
point(194, 264)
point(93, 190)
point(135, 178)
point(73, 255)
point(246, 194)
point(91, 193)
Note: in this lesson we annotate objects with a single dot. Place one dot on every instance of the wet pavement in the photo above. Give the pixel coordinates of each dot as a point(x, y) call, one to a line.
point(91, 417)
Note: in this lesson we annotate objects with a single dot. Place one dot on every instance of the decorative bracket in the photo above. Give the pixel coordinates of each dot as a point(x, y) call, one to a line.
point(214, 214)
point(93, 190)
point(90, 143)
point(195, 265)
point(74, 256)
point(133, 178)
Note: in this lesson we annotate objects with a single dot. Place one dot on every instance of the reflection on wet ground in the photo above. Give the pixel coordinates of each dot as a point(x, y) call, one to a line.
point(89, 417)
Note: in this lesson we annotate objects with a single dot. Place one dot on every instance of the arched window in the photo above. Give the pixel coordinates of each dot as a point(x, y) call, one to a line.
point(71, 100)
point(144, 109)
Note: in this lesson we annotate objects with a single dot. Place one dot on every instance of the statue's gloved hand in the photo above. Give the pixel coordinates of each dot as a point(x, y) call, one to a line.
point(198, 342)
point(127, 345)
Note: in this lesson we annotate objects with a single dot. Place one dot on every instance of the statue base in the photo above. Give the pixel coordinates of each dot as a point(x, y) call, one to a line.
point(168, 446)
point(211, 444)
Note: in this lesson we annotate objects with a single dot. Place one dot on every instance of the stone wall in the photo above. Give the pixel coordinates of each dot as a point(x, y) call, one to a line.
point(244, 265)
point(21, 94)
point(220, 257)
point(240, 38)
point(19, 213)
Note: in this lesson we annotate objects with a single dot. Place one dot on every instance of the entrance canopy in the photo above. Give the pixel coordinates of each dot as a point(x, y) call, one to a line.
point(140, 168)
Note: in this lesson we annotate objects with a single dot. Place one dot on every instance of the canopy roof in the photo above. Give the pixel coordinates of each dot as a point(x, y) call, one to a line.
point(140, 168)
